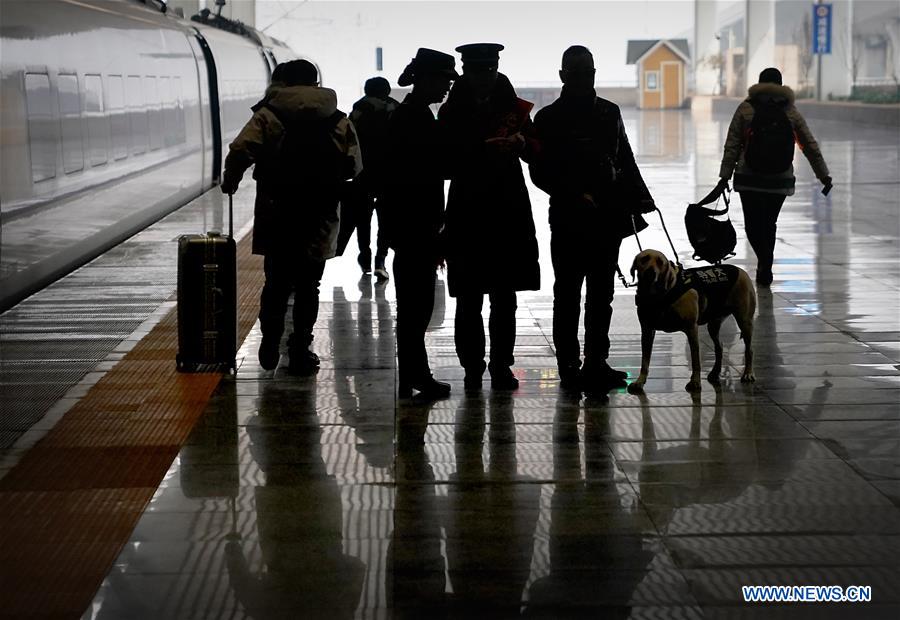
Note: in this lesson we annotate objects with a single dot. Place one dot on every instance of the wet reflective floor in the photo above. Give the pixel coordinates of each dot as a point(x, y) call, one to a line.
point(329, 497)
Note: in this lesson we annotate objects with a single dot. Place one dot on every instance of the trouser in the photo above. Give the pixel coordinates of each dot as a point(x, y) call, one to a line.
point(365, 204)
point(760, 223)
point(286, 274)
point(414, 278)
point(576, 259)
point(469, 332)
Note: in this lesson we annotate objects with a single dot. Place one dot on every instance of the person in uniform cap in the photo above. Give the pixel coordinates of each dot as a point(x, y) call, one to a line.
point(490, 242)
point(414, 195)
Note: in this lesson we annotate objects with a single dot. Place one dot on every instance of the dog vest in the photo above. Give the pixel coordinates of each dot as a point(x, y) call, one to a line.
point(711, 283)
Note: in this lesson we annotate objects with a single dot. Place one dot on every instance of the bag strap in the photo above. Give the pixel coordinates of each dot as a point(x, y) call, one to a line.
point(714, 196)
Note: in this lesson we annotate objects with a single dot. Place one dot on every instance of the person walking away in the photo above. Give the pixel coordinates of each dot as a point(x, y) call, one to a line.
point(303, 148)
point(587, 167)
point(370, 119)
point(490, 240)
point(759, 150)
point(415, 197)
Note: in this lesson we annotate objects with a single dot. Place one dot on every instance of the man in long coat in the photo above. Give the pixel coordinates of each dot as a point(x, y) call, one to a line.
point(489, 231)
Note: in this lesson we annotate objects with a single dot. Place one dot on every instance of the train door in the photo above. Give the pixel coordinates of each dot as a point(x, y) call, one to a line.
point(212, 120)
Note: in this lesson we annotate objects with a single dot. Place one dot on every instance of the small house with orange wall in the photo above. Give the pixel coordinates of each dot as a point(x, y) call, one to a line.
point(661, 68)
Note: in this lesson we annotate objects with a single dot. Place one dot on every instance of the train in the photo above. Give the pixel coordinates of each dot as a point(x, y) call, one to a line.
point(113, 113)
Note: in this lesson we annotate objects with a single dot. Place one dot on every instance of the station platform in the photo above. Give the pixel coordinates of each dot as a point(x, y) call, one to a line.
point(129, 490)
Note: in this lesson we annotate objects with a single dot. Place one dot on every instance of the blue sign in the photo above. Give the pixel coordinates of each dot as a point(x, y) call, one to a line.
point(821, 35)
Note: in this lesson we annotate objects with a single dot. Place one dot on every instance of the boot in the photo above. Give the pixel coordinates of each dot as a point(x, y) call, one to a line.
point(365, 262)
point(269, 353)
point(502, 378)
point(380, 272)
point(428, 387)
point(472, 381)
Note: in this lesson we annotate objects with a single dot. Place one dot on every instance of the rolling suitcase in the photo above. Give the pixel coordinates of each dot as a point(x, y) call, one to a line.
point(207, 299)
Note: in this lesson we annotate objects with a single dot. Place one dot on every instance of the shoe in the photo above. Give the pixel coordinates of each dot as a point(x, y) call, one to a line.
point(380, 272)
point(303, 363)
point(429, 388)
point(268, 353)
point(365, 263)
point(603, 379)
point(503, 379)
point(764, 278)
point(570, 377)
point(472, 381)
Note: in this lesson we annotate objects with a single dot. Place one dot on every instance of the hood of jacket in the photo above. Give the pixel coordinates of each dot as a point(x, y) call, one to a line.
point(309, 102)
point(765, 92)
point(376, 104)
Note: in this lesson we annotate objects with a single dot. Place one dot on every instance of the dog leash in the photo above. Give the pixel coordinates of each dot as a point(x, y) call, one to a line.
point(637, 238)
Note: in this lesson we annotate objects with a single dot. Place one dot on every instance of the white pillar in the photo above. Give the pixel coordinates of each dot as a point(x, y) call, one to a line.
point(705, 77)
point(837, 78)
point(759, 38)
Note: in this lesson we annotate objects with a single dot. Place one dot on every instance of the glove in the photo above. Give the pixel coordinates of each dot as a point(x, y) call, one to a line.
point(230, 182)
point(826, 185)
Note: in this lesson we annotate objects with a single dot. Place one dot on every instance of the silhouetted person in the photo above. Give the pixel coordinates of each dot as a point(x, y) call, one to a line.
point(759, 150)
point(370, 117)
point(587, 166)
point(303, 148)
point(490, 239)
point(415, 197)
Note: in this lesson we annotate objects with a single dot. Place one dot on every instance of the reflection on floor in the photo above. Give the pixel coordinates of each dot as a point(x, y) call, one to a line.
point(326, 496)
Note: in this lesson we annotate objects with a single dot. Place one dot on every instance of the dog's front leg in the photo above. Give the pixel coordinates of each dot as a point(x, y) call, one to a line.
point(694, 342)
point(647, 336)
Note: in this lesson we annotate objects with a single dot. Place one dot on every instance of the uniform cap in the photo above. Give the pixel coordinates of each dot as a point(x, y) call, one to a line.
point(486, 53)
point(428, 62)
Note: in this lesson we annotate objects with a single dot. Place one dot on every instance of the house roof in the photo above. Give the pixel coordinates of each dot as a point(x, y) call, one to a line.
point(638, 48)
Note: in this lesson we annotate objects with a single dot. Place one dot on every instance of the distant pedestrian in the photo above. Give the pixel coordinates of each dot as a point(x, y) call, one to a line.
point(759, 150)
point(303, 148)
point(587, 166)
point(415, 199)
point(370, 117)
point(491, 246)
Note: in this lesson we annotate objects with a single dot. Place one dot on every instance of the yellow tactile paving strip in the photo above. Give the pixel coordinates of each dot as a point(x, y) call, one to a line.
point(73, 500)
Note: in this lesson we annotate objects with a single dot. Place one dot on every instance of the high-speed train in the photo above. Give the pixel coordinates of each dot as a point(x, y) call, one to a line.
point(113, 113)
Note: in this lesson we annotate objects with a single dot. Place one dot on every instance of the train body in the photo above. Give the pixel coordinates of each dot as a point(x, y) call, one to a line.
point(112, 114)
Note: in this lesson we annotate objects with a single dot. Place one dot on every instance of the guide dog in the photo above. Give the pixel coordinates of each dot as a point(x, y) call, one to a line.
point(675, 300)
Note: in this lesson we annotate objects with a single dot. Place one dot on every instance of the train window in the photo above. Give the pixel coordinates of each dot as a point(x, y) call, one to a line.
point(98, 125)
point(42, 135)
point(117, 120)
point(70, 121)
point(151, 98)
point(140, 127)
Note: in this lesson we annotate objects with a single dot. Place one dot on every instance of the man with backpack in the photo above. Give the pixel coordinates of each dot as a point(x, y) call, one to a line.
point(759, 151)
point(586, 165)
point(370, 118)
point(303, 149)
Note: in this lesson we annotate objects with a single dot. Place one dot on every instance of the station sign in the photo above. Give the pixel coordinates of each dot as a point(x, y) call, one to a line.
point(821, 35)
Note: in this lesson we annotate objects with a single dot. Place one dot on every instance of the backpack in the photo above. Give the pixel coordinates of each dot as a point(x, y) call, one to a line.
point(770, 139)
point(307, 154)
point(713, 239)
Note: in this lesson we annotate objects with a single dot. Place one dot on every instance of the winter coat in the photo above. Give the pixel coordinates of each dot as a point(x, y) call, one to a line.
point(415, 172)
point(490, 241)
point(585, 151)
point(307, 223)
point(736, 143)
point(370, 118)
